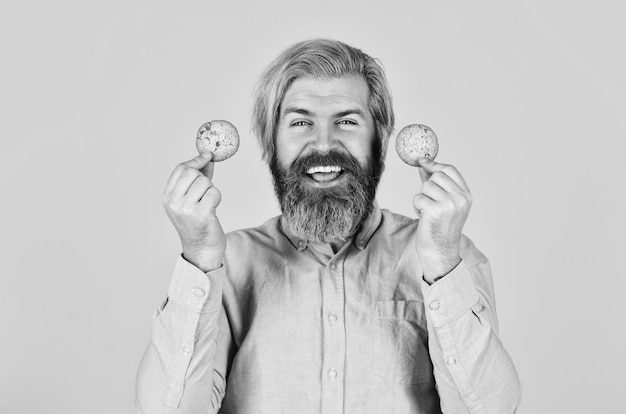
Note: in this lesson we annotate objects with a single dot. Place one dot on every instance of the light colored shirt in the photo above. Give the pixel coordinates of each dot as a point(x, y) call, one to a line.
point(286, 326)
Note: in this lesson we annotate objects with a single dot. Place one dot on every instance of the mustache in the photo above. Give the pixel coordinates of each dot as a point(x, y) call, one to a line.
point(346, 161)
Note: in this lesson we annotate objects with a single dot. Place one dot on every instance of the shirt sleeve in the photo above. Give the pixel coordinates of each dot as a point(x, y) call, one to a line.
point(178, 372)
point(473, 371)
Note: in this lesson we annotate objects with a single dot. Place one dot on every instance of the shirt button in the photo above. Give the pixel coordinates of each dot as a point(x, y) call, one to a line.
point(332, 317)
point(301, 244)
point(186, 349)
point(198, 292)
point(332, 374)
point(333, 266)
point(451, 361)
point(434, 305)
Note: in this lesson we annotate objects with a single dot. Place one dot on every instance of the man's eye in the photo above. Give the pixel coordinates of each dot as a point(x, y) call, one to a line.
point(299, 123)
point(347, 122)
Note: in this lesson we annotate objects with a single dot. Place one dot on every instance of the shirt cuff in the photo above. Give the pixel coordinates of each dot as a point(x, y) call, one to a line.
point(194, 289)
point(451, 296)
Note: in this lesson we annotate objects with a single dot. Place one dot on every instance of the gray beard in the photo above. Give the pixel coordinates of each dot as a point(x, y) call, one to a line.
point(325, 215)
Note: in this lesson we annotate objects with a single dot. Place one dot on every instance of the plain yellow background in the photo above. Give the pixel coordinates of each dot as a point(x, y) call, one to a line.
point(100, 100)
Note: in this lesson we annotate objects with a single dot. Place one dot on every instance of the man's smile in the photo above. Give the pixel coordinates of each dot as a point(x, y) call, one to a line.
point(323, 176)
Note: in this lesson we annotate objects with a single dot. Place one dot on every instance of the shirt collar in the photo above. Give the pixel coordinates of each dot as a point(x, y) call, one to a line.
point(360, 239)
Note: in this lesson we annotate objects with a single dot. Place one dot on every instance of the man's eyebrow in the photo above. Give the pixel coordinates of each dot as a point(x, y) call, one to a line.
point(296, 110)
point(351, 111)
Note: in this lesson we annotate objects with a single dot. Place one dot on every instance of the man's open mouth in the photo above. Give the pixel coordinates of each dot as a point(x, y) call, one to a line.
point(324, 173)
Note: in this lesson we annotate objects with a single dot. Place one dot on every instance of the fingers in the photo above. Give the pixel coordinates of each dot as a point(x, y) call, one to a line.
point(211, 199)
point(186, 179)
point(445, 182)
point(193, 194)
point(429, 167)
point(422, 202)
point(444, 191)
point(198, 188)
point(203, 192)
point(201, 163)
point(434, 191)
point(441, 189)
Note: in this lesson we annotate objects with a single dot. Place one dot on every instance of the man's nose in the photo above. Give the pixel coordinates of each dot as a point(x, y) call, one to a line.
point(324, 139)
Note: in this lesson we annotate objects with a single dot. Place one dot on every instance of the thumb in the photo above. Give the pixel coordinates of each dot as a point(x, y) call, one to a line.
point(199, 161)
point(208, 166)
point(424, 175)
point(424, 167)
point(202, 163)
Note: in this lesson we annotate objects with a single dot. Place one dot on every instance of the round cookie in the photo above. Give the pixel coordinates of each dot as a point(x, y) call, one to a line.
point(416, 141)
point(219, 137)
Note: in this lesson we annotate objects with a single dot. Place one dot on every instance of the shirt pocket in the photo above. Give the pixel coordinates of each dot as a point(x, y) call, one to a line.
point(400, 342)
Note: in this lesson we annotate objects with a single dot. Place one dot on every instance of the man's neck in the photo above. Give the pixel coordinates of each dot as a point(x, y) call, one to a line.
point(328, 248)
point(337, 245)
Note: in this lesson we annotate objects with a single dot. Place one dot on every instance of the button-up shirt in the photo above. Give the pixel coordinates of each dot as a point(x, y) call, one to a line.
point(288, 326)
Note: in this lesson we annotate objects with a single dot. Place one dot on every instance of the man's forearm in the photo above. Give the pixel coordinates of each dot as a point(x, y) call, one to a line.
point(474, 373)
point(177, 371)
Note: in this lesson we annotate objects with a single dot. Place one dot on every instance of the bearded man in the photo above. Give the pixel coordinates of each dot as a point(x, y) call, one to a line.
point(337, 305)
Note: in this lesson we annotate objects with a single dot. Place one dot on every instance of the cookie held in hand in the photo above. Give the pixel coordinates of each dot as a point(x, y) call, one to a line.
point(220, 138)
point(416, 141)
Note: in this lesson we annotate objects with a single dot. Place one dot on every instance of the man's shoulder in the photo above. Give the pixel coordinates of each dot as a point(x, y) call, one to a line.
point(267, 233)
point(398, 226)
point(392, 215)
point(396, 220)
point(393, 229)
point(254, 252)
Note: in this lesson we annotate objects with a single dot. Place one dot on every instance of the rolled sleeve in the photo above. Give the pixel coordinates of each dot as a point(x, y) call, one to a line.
point(190, 312)
point(450, 297)
point(474, 373)
point(193, 289)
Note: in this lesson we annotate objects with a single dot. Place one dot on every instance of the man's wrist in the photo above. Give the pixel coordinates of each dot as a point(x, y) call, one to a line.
point(434, 270)
point(206, 263)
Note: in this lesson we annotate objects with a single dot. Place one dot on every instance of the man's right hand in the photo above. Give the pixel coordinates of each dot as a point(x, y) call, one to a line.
point(190, 201)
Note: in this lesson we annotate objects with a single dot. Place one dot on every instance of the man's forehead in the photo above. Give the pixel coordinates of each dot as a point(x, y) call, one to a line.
point(348, 90)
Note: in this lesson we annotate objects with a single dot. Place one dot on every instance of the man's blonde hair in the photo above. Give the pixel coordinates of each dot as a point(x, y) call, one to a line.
point(320, 58)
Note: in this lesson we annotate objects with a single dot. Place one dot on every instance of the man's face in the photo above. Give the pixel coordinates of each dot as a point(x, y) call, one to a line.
point(321, 115)
point(325, 167)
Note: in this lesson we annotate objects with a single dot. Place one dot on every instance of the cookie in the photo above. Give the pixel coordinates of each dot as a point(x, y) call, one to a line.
point(219, 137)
point(416, 141)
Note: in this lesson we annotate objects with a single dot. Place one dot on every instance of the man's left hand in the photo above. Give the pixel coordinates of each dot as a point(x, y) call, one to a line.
point(443, 205)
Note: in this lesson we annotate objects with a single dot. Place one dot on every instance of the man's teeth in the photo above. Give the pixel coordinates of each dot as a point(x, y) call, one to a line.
point(323, 169)
point(324, 172)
